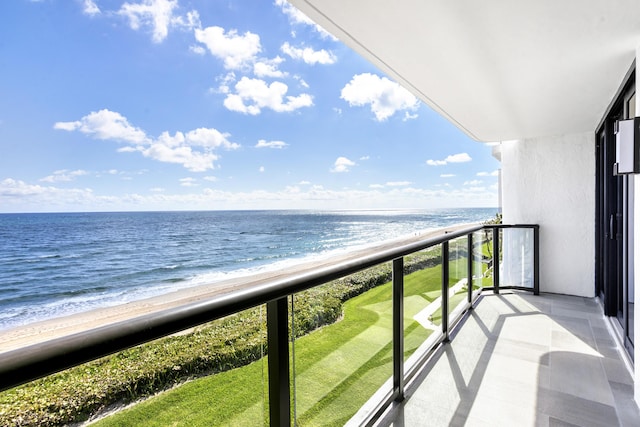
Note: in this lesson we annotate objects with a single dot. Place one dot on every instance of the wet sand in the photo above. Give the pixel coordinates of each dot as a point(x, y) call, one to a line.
point(42, 331)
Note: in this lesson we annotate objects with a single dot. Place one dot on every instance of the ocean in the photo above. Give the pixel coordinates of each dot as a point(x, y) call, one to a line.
point(63, 263)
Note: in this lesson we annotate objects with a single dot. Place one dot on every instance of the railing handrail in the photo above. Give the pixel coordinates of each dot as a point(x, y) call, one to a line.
point(30, 362)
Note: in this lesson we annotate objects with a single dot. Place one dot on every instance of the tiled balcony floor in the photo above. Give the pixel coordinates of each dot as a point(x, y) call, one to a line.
point(524, 360)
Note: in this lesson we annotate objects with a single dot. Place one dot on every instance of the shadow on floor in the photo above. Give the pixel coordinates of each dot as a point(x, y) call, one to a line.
point(519, 359)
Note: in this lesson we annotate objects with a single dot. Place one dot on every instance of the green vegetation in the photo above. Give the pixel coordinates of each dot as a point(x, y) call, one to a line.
point(337, 368)
point(495, 220)
point(236, 396)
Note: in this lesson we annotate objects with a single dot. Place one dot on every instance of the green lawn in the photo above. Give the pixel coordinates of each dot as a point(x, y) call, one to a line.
point(337, 367)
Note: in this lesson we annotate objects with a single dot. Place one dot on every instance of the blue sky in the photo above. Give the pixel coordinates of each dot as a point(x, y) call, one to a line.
point(110, 105)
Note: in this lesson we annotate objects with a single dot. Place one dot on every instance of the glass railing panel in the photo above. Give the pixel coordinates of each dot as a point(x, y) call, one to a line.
point(458, 274)
point(517, 257)
point(343, 346)
point(422, 298)
point(340, 352)
point(482, 259)
point(193, 368)
point(490, 254)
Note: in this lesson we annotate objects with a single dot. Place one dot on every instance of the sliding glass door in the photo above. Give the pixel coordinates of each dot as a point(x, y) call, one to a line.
point(614, 221)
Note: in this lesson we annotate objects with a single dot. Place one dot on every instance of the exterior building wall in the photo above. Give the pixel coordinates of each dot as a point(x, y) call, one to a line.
point(551, 182)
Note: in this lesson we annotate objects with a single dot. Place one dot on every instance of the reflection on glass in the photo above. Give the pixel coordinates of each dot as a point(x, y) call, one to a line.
point(422, 298)
point(631, 107)
point(458, 262)
point(482, 259)
point(231, 349)
point(343, 346)
point(516, 268)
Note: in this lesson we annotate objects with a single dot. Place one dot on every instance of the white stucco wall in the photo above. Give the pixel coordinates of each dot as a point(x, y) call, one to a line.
point(551, 182)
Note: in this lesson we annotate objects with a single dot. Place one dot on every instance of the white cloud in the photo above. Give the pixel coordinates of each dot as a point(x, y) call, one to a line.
point(453, 158)
point(364, 158)
point(447, 175)
point(237, 51)
point(211, 138)
point(193, 150)
point(304, 183)
point(158, 16)
point(473, 182)
point(261, 169)
point(384, 96)
point(195, 161)
point(188, 22)
point(157, 190)
point(106, 124)
point(398, 183)
point(124, 175)
point(18, 196)
point(342, 164)
point(297, 17)
point(269, 68)
point(64, 175)
point(225, 82)
point(308, 55)
point(210, 178)
point(376, 186)
point(17, 188)
point(301, 81)
point(188, 182)
point(409, 116)
point(198, 50)
point(89, 7)
point(127, 149)
point(270, 144)
point(458, 158)
point(252, 95)
point(494, 173)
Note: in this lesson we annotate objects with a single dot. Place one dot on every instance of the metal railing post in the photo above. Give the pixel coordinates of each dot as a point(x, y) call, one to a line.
point(398, 329)
point(496, 260)
point(278, 363)
point(445, 290)
point(536, 260)
point(470, 269)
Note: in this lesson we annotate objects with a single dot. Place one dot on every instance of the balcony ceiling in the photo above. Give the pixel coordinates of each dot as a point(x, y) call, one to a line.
point(498, 69)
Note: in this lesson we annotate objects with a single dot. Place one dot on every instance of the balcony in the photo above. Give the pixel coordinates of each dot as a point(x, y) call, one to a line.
point(519, 359)
point(474, 343)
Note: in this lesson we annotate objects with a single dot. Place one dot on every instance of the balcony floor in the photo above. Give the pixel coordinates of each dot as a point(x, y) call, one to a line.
point(521, 360)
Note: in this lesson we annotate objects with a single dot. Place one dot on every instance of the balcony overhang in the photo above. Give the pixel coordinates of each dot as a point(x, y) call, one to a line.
point(499, 70)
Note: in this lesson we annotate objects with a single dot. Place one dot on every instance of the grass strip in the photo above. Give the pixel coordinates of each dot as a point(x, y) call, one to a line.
point(328, 393)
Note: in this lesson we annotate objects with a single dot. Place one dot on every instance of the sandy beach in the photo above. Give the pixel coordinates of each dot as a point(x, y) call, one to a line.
point(43, 331)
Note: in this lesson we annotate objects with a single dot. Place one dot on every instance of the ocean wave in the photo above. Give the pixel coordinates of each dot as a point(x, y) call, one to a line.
point(47, 256)
point(107, 266)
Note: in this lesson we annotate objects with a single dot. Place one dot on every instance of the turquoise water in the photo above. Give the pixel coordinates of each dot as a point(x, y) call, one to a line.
point(63, 263)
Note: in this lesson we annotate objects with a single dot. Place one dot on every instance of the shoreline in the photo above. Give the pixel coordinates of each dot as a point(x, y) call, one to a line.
point(45, 330)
